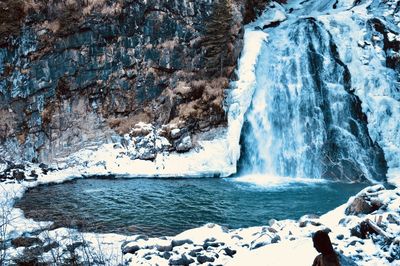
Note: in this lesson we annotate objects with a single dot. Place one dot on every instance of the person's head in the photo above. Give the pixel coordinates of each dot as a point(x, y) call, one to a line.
point(322, 242)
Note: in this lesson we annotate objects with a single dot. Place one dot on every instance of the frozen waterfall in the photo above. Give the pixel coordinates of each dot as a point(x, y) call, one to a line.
point(308, 117)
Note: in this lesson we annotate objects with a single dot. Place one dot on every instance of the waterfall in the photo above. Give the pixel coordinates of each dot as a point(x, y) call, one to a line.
point(305, 119)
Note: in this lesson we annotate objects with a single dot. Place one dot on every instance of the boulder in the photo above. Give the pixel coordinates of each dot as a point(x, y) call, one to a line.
point(362, 230)
point(130, 249)
point(181, 260)
point(229, 252)
point(184, 144)
point(203, 259)
point(180, 242)
point(176, 133)
point(361, 205)
point(18, 175)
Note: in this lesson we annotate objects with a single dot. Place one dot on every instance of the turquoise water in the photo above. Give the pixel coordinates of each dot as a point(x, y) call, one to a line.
point(158, 207)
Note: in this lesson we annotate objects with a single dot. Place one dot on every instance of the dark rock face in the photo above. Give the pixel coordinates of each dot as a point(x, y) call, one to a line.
point(79, 73)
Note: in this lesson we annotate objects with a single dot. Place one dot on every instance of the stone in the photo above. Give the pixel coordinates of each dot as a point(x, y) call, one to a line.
point(71, 247)
point(340, 237)
point(34, 174)
point(167, 255)
point(181, 260)
point(393, 219)
point(26, 241)
point(130, 249)
point(164, 247)
point(184, 144)
point(206, 245)
point(362, 230)
point(18, 175)
point(180, 242)
point(176, 133)
point(229, 252)
point(203, 259)
point(361, 205)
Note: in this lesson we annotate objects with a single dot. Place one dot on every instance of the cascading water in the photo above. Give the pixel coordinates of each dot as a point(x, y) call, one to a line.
point(305, 119)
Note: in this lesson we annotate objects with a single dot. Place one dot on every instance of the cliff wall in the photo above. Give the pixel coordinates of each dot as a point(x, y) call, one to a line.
point(80, 73)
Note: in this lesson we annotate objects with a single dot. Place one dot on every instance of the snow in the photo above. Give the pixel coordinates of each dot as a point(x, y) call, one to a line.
point(298, 252)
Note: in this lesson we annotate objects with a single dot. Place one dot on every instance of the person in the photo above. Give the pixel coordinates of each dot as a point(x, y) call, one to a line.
point(322, 243)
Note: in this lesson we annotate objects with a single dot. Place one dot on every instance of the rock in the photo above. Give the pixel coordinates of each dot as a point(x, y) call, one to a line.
point(34, 174)
point(361, 205)
point(164, 247)
point(393, 219)
point(50, 246)
point(275, 239)
point(340, 237)
point(263, 240)
point(181, 260)
point(18, 175)
point(130, 249)
point(180, 242)
point(26, 241)
point(71, 247)
point(212, 244)
point(229, 252)
point(366, 202)
point(176, 133)
point(203, 259)
point(184, 144)
point(394, 249)
point(167, 255)
point(362, 230)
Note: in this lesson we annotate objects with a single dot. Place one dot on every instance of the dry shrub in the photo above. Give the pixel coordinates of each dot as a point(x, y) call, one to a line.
point(189, 110)
point(182, 88)
point(123, 125)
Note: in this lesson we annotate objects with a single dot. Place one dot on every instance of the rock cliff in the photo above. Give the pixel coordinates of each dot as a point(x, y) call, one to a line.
point(81, 73)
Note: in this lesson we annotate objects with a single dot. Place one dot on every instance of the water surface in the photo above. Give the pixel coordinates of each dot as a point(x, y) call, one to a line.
point(158, 207)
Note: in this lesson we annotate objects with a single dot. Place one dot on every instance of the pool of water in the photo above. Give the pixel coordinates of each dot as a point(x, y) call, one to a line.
point(158, 207)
